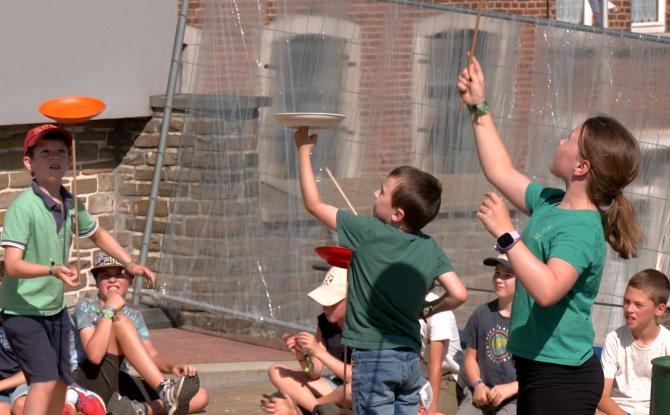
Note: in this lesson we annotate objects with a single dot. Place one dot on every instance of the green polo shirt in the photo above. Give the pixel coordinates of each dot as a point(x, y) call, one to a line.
point(30, 226)
point(562, 333)
point(389, 276)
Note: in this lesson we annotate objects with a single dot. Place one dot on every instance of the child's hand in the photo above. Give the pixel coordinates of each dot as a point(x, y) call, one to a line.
point(493, 213)
point(303, 140)
point(292, 344)
point(184, 369)
point(480, 396)
point(499, 393)
point(471, 83)
point(307, 343)
point(138, 269)
point(67, 275)
point(116, 301)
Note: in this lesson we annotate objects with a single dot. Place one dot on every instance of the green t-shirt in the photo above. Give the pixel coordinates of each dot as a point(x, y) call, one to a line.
point(563, 333)
point(390, 273)
point(30, 226)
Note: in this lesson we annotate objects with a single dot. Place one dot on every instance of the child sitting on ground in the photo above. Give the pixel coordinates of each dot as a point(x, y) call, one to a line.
point(307, 387)
point(392, 267)
point(37, 235)
point(109, 332)
point(440, 346)
point(488, 377)
point(628, 350)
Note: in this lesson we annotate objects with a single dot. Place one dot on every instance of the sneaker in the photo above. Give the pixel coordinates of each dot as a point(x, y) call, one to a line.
point(176, 394)
point(69, 409)
point(120, 405)
point(88, 402)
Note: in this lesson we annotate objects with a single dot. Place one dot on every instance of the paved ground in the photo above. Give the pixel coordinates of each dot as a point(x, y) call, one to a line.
point(233, 372)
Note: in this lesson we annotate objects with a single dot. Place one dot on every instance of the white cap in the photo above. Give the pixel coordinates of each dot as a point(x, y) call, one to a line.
point(333, 289)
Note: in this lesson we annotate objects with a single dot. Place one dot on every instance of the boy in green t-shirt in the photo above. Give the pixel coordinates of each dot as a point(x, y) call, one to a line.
point(392, 267)
point(37, 234)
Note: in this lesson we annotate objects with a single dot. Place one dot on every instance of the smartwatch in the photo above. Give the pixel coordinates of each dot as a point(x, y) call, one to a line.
point(506, 241)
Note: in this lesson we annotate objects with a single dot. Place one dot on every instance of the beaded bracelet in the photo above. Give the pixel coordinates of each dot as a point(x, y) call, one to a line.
point(108, 312)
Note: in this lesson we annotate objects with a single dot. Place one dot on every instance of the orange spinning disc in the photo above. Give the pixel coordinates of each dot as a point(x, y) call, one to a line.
point(71, 110)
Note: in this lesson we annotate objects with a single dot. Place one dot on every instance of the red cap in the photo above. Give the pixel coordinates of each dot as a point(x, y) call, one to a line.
point(34, 135)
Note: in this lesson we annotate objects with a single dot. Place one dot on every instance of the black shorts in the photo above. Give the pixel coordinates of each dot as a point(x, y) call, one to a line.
point(107, 378)
point(547, 389)
point(41, 345)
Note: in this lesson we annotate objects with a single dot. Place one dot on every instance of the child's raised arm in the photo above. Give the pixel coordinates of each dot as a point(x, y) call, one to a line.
point(493, 156)
point(325, 213)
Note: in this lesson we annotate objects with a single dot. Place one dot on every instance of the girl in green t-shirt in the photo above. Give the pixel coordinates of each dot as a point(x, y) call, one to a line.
point(560, 258)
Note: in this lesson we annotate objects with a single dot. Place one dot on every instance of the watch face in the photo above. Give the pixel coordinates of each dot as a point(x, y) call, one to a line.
point(505, 240)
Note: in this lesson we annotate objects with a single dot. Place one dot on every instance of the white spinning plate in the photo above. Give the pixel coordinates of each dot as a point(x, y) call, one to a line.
point(312, 120)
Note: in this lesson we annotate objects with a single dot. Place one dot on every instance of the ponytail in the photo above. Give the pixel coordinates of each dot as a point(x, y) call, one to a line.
point(622, 230)
point(614, 155)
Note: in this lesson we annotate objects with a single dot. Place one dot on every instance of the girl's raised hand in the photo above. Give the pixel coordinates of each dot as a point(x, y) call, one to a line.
point(471, 83)
point(494, 215)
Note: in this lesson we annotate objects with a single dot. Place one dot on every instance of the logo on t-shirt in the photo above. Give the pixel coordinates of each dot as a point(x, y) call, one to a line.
point(496, 345)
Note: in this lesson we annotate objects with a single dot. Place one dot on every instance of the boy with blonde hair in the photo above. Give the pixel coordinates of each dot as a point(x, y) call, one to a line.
point(392, 267)
point(628, 350)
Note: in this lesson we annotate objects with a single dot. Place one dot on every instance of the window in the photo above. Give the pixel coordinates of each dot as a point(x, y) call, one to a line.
point(309, 64)
point(571, 11)
point(443, 141)
point(648, 16)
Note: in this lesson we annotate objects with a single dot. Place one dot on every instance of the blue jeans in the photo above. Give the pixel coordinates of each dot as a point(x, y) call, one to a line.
point(386, 382)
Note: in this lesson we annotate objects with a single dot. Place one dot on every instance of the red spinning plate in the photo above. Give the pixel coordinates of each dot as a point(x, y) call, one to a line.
point(337, 256)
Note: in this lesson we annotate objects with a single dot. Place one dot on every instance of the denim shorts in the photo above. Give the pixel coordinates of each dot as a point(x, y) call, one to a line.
point(386, 381)
point(11, 395)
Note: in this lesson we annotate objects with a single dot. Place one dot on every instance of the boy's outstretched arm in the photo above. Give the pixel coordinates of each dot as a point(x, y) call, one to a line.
point(13, 381)
point(105, 241)
point(325, 213)
point(455, 295)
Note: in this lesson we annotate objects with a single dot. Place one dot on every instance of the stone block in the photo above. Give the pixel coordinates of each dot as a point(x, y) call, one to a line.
point(107, 221)
point(20, 179)
point(144, 173)
point(155, 242)
point(161, 209)
point(250, 160)
point(100, 204)
point(134, 157)
point(13, 142)
point(186, 207)
point(6, 198)
point(2, 217)
point(169, 158)
point(152, 140)
point(106, 183)
point(182, 174)
point(85, 186)
point(4, 181)
point(135, 189)
point(12, 160)
point(137, 225)
point(87, 151)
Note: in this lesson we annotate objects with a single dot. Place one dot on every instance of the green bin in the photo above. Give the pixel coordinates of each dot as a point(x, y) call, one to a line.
point(660, 386)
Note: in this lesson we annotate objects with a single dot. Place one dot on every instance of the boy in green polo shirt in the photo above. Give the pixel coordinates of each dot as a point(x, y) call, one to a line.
point(37, 236)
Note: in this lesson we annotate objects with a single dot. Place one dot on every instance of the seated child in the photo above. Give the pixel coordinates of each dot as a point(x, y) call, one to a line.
point(307, 387)
point(392, 268)
point(440, 344)
point(488, 377)
point(109, 332)
point(14, 389)
point(628, 350)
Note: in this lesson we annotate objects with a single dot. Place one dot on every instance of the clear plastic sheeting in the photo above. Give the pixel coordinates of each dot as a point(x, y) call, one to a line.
point(239, 238)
